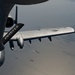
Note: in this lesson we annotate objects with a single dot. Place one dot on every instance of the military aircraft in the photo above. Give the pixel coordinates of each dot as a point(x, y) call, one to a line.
point(20, 37)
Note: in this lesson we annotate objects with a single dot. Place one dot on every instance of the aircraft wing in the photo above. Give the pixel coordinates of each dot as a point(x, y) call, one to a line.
point(22, 36)
point(42, 33)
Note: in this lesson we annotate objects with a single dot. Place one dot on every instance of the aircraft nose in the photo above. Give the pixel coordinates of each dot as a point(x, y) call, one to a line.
point(2, 57)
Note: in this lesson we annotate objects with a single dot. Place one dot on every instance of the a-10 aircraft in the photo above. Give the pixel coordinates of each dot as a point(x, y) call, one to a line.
point(20, 37)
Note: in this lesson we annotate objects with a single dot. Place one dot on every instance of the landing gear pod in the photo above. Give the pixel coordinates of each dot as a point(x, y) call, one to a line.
point(20, 42)
point(11, 44)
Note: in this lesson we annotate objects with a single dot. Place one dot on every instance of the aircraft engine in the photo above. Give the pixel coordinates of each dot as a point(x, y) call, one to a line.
point(11, 44)
point(9, 22)
point(20, 42)
point(2, 57)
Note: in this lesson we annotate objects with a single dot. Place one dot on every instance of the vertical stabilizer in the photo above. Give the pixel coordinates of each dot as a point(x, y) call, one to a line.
point(16, 15)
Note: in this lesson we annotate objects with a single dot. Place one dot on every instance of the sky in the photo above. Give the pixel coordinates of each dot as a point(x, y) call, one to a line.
point(43, 58)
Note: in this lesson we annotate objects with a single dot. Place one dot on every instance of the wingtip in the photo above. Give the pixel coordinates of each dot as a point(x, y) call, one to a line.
point(71, 29)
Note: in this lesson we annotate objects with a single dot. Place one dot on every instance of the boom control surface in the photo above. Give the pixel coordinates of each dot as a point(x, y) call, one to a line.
point(12, 32)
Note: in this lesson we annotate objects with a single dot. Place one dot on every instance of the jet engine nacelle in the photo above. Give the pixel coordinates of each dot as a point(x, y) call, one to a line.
point(20, 42)
point(2, 57)
point(9, 22)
